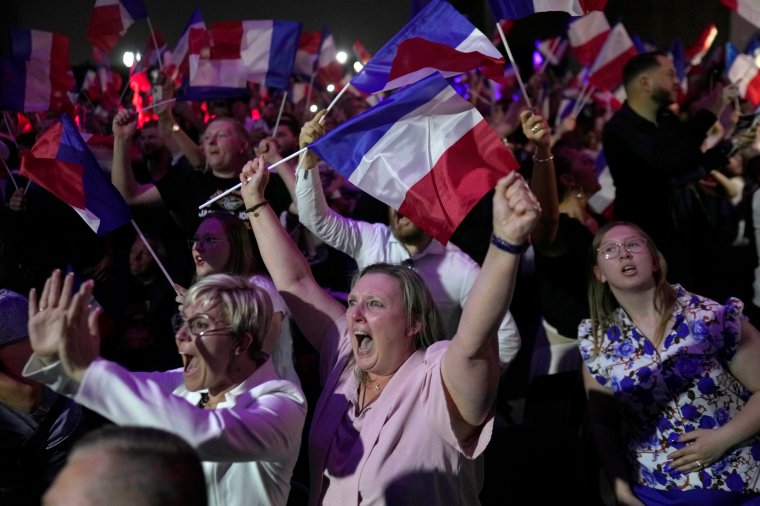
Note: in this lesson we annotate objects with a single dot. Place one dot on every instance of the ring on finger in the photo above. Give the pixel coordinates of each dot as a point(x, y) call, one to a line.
point(700, 465)
point(535, 128)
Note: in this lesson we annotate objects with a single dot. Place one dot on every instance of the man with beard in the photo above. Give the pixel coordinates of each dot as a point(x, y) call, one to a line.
point(447, 270)
point(656, 162)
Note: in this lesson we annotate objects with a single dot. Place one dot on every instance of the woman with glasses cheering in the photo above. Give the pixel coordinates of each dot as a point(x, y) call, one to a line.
point(672, 381)
point(223, 244)
point(246, 427)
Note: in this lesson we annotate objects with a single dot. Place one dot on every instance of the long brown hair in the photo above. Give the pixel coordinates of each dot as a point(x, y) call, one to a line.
point(602, 302)
point(242, 260)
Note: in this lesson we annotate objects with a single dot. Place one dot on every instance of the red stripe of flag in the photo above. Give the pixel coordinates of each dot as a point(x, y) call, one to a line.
point(459, 179)
point(417, 53)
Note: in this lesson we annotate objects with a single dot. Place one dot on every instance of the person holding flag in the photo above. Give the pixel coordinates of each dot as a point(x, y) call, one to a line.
point(402, 418)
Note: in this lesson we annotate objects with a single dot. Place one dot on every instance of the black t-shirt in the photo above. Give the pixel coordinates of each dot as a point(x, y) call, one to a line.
point(183, 193)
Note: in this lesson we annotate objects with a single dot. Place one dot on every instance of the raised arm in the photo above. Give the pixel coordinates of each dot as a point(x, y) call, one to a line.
point(313, 309)
point(124, 127)
point(470, 366)
point(542, 182)
point(314, 213)
point(193, 152)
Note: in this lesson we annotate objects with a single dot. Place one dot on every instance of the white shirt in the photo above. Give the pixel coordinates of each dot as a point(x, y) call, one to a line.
point(248, 444)
point(447, 270)
point(282, 354)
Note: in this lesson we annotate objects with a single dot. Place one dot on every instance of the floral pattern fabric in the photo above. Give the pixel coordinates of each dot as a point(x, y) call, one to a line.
point(681, 386)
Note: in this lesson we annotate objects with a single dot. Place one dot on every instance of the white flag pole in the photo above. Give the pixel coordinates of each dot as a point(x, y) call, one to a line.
point(10, 174)
point(237, 186)
point(155, 257)
point(155, 44)
point(514, 65)
point(337, 97)
point(158, 104)
point(279, 114)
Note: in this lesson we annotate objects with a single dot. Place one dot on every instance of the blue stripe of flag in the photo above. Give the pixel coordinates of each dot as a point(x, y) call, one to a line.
point(511, 9)
point(135, 8)
point(282, 53)
point(21, 43)
point(12, 84)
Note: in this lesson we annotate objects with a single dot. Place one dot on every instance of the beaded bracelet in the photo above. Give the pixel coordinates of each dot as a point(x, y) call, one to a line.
point(543, 160)
point(254, 207)
point(508, 247)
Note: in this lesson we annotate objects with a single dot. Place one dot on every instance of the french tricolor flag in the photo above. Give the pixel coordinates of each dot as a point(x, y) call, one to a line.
point(424, 151)
point(180, 55)
point(587, 36)
point(37, 75)
point(61, 162)
point(306, 54)
point(518, 9)
point(744, 73)
point(110, 20)
point(607, 71)
point(748, 9)
point(266, 47)
point(215, 71)
point(438, 39)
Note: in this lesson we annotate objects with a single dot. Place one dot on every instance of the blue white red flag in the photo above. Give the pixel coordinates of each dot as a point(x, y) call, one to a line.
point(748, 9)
point(587, 36)
point(607, 71)
point(306, 54)
point(215, 70)
point(266, 47)
point(745, 74)
point(223, 58)
point(679, 62)
point(697, 51)
point(329, 71)
point(518, 9)
point(181, 53)
point(424, 151)
point(110, 20)
point(61, 162)
point(438, 39)
point(37, 74)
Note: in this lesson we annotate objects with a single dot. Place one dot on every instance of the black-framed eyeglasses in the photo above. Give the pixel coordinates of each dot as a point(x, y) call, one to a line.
point(612, 250)
point(204, 242)
point(199, 325)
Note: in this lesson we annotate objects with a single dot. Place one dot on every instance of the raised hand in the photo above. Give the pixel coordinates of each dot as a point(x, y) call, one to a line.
point(515, 209)
point(535, 128)
point(254, 178)
point(124, 124)
point(310, 132)
point(80, 343)
point(47, 315)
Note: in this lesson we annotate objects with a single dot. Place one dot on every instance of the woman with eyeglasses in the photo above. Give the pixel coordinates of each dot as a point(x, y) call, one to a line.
point(227, 401)
point(672, 381)
point(222, 243)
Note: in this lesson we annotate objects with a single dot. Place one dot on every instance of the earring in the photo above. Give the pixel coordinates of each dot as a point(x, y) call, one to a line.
point(580, 194)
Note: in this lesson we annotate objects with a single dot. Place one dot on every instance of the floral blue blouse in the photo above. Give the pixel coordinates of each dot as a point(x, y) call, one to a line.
point(682, 386)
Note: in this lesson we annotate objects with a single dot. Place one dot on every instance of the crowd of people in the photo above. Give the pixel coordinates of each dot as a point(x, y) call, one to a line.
point(310, 345)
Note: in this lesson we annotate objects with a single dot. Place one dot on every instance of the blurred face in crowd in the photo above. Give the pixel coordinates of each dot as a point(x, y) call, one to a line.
point(225, 147)
point(583, 170)
point(151, 142)
point(140, 259)
point(664, 82)
point(403, 229)
point(286, 140)
point(211, 248)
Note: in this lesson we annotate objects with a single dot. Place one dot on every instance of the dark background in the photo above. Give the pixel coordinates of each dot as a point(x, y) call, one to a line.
point(372, 21)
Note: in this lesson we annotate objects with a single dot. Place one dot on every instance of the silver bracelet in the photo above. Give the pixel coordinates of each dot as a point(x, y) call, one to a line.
point(543, 160)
